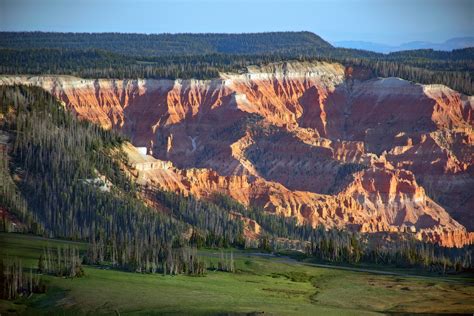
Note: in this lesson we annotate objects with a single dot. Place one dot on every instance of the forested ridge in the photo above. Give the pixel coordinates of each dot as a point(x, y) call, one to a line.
point(204, 56)
point(153, 45)
point(65, 178)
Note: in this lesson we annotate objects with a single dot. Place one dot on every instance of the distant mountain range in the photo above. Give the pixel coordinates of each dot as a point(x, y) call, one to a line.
point(454, 43)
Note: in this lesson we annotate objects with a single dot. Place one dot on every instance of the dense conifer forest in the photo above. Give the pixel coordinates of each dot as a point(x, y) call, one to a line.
point(204, 56)
point(153, 45)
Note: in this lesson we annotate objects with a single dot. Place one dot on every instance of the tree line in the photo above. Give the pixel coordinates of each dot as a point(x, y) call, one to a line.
point(64, 261)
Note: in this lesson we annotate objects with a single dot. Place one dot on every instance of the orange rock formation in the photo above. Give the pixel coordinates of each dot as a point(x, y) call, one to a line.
point(301, 139)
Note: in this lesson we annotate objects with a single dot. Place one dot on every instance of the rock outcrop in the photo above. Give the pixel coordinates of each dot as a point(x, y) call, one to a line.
point(309, 140)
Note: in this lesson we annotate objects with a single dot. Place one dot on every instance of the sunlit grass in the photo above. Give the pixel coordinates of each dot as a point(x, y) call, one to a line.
point(261, 284)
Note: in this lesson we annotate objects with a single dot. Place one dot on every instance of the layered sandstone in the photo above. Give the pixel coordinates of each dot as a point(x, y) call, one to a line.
point(378, 199)
point(309, 140)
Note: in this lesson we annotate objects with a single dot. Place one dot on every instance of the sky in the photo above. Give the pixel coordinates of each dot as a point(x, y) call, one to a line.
point(383, 21)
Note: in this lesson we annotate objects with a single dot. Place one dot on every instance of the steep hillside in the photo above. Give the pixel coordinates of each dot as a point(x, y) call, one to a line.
point(311, 140)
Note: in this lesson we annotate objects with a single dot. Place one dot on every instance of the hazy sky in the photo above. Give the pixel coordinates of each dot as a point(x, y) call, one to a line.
point(383, 21)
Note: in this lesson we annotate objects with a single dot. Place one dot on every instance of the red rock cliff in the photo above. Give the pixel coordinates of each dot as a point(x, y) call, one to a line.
point(300, 139)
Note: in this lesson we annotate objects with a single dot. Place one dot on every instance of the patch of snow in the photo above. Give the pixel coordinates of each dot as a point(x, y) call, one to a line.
point(142, 150)
point(393, 82)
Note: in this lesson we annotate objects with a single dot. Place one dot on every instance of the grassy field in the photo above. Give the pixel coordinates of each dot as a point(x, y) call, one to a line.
point(261, 284)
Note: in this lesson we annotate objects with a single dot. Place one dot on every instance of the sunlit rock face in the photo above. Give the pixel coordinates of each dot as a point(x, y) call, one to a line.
point(309, 140)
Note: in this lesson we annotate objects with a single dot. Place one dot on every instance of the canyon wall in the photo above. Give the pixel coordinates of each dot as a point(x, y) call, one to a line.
point(308, 140)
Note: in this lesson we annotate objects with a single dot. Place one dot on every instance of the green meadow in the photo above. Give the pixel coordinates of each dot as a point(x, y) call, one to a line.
point(261, 284)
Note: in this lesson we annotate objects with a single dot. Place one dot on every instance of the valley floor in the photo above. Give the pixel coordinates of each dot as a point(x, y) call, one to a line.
point(261, 284)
